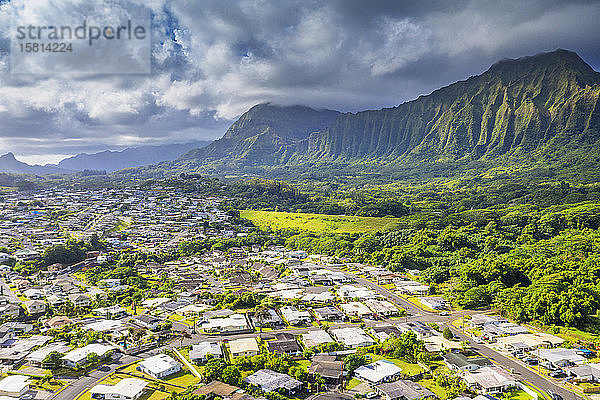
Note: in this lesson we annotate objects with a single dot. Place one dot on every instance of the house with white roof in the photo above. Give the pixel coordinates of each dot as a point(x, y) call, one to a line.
point(270, 381)
point(356, 309)
point(353, 337)
point(489, 380)
point(201, 351)
point(244, 347)
point(560, 357)
point(378, 372)
point(14, 386)
point(159, 366)
point(233, 323)
point(315, 338)
point(78, 357)
point(126, 389)
point(294, 316)
point(382, 308)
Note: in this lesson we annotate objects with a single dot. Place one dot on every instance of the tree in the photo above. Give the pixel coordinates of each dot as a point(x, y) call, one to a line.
point(52, 360)
point(353, 361)
point(447, 333)
point(232, 376)
point(92, 358)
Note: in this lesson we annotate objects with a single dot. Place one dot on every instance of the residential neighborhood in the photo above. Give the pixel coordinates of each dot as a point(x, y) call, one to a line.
point(150, 309)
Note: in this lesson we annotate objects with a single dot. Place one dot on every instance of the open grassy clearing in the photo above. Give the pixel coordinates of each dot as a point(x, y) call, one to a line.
point(319, 222)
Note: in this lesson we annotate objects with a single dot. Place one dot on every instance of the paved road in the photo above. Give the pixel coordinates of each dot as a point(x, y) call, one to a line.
point(84, 383)
point(75, 388)
point(520, 370)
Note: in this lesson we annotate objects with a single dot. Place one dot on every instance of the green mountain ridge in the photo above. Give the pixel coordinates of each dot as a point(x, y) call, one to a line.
point(532, 110)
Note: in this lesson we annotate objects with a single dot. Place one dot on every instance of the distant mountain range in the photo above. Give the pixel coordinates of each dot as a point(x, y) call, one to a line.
point(544, 108)
point(108, 161)
point(9, 164)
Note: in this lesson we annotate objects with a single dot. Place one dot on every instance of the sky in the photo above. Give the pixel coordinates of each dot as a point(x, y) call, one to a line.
point(212, 60)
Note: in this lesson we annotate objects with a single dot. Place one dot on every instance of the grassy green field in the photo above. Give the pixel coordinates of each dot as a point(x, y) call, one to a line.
point(319, 222)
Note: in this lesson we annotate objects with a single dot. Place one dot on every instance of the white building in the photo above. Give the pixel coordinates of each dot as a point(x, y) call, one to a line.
point(295, 317)
point(243, 347)
point(315, 338)
point(378, 372)
point(78, 357)
point(489, 380)
point(14, 386)
point(353, 337)
point(200, 351)
point(126, 389)
point(355, 309)
point(159, 366)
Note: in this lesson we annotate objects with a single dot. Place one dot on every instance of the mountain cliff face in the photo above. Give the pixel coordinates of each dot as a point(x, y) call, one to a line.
point(263, 135)
point(532, 106)
point(517, 106)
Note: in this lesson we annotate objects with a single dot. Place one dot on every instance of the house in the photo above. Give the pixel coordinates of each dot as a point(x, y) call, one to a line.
point(268, 319)
point(378, 372)
point(352, 337)
point(403, 390)
point(438, 343)
point(328, 313)
point(58, 321)
point(79, 300)
point(460, 362)
point(560, 357)
point(111, 312)
point(384, 332)
point(295, 317)
point(585, 372)
point(489, 380)
point(222, 390)
point(244, 347)
point(236, 323)
point(382, 308)
point(529, 341)
point(201, 351)
point(159, 366)
point(328, 368)
point(14, 386)
point(436, 303)
point(126, 389)
point(355, 309)
point(270, 381)
point(10, 310)
point(35, 306)
point(289, 347)
point(315, 338)
point(34, 294)
point(56, 300)
point(147, 321)
point(419, 328)
point(78, 357)
point(35, 358)
point(349, 292)
point(412, 288)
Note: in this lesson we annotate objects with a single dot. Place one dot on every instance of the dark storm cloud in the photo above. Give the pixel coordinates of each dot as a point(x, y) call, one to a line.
point(214, 59)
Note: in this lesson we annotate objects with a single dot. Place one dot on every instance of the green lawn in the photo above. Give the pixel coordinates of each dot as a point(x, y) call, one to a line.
point(319, 222)
point(407, 368)
point(352, 383)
